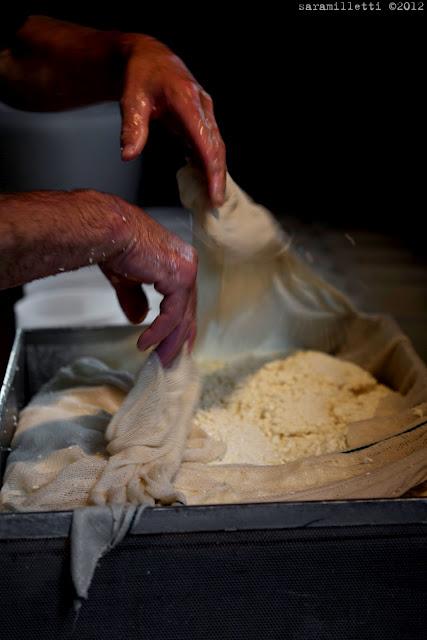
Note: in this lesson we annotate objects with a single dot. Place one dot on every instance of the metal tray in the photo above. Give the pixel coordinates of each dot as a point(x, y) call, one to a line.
point(352, 569)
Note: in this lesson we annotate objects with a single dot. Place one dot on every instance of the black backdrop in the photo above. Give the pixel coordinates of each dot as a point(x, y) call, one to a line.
point(321, 112)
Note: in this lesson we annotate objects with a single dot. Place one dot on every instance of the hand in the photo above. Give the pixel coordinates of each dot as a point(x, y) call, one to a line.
point(153, 255)
point(157, 84)
point(46, 232)
point(58, 65)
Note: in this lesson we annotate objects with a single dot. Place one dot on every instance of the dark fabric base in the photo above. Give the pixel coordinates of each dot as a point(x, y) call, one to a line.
point(351, 583)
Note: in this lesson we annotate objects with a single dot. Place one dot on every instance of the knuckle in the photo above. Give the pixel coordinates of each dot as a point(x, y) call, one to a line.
point(126, 103)
point(194, 258)
point(181, 267)
point(190, 271)
point(221, 146)
point(207, 97)
point(191, 89)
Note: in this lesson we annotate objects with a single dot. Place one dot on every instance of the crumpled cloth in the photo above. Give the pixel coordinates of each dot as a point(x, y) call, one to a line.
point(82, 441)
point(94, 532)
point(94, 435)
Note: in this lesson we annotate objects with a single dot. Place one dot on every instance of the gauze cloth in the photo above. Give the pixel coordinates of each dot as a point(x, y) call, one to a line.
point(96, 436)
point(82, 441)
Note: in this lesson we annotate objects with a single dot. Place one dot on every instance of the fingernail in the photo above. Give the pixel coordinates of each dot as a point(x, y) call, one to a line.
point(218, 192)
point(143, 343)
point(128, 152)
point(138, 317)
point(217, 199)
point(165, 357)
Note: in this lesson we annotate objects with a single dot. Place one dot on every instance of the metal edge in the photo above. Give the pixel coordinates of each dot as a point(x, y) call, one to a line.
point(10, 369)
point(233, 517)
point(183, 519)
point(85, 333)
point(283, 515)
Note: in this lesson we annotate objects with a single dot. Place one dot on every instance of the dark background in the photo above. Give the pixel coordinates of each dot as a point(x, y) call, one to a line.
point(321, 112)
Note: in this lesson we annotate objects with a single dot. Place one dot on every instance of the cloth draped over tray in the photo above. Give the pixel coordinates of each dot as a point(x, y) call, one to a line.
point(95, 436)
point(106, 444)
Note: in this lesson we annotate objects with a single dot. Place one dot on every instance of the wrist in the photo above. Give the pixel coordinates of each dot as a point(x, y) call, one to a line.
point(128, 44)
point(112, 215)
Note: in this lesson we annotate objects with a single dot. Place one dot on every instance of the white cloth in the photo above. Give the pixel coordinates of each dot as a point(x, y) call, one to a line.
point(79, 442)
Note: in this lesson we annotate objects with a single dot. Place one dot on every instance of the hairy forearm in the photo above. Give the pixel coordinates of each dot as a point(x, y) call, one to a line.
point(54, 64)
point(47, 232)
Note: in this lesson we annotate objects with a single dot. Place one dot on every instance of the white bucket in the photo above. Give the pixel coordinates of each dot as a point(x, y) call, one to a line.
point(70, 307)
point(74, 149)
point(67, 308)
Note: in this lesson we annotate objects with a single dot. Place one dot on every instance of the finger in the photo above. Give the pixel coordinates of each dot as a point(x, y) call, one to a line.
point(202, 130)
point(172, 310)
point(131, 297)
point(133, 301)
point(217, 191)
point(191, 338)
point(136, 108)
point(171, 346)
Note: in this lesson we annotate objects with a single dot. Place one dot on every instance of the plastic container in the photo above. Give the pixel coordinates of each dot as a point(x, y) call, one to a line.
point(74, 149)
point(67, 308)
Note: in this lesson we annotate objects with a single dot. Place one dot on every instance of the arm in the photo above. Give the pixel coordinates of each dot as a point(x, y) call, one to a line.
point(56, 65)
point(43, 233)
